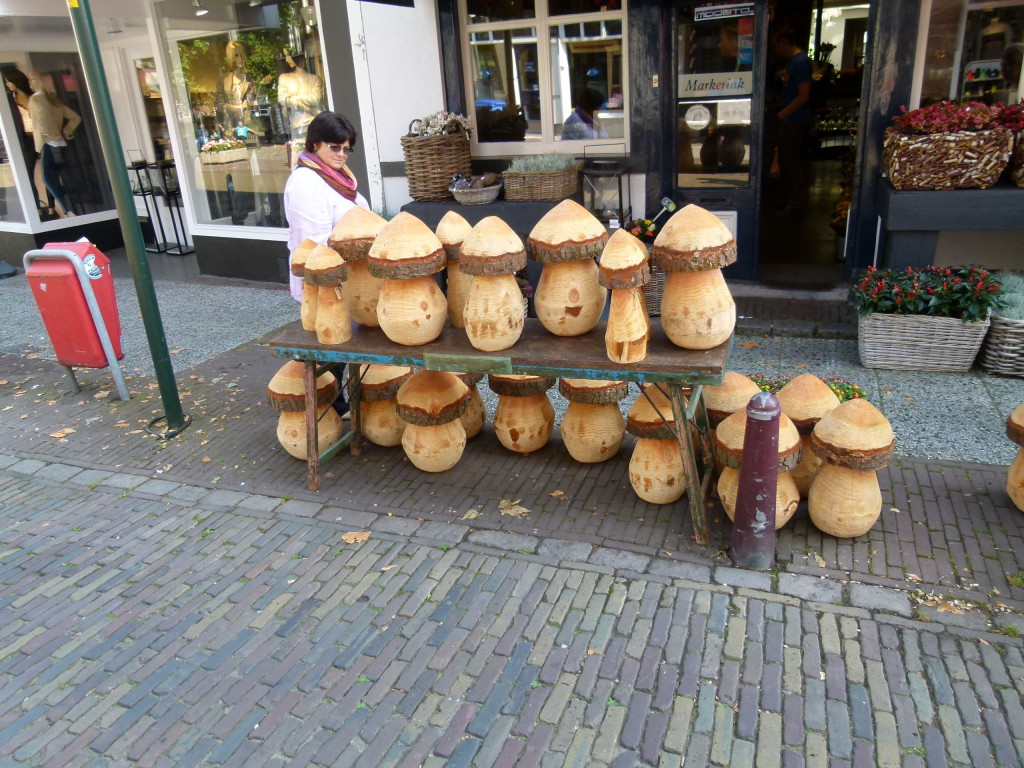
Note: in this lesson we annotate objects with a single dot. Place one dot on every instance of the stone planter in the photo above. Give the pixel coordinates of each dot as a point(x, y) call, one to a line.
point(918, 342)
point(224, 156)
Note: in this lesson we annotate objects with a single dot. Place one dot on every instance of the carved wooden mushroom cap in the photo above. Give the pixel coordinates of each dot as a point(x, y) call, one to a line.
point(518, 384)
point(325, 267)
point(491, 248)
point(730, 396)
point(405, 247)
point(592, 391)
point(354, 233)
point(430, 398)
point(624, 262)
point(381, 382)
point(469, 379)
point(805, 400)
point(287, 388)
point(854, 435)
point(452, 230)
point(567, 232)
point(644, 420)
point(299, 256)
point(694, 240)
point(1015, 426)
point(729, 441)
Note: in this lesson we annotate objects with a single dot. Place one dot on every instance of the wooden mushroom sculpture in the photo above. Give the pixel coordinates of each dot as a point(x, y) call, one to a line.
point(569, 298)
point(624, 269)
point(475, 415)
point(853, 440)
point(656, 469)
point(307, 311)
point(730, 396)
point(697, 310)
point(287, 394)
point(1015, 474)
point(806, 399)
point(593, 427)
point(452, 231)
point(728, 447)
point(430, 403)
point(378, 419)
point(524, 417)
point(326, 270)
point(493, 313)
point(411, 309)
point(352, 237)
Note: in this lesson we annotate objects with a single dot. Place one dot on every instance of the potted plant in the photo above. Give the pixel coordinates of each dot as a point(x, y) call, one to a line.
point(928, 319)
point(436, 148)
point(1003, 352)
point(222, 151)
point(1012, 118)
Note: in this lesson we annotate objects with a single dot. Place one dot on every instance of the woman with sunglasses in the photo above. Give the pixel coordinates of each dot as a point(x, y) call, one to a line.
point(320, 191)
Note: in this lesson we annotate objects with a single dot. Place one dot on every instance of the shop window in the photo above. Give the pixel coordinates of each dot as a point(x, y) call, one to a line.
point(10, 205)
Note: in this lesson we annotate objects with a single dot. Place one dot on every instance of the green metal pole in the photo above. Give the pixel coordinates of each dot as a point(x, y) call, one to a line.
point(113, 154)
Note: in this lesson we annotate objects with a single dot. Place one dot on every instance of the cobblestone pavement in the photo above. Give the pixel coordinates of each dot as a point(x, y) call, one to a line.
point(151, 623)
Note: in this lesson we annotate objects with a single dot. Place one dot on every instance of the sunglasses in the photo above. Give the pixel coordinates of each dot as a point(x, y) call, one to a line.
point(338, 149)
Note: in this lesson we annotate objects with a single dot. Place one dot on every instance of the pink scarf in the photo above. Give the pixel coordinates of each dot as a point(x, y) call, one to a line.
point(342, 183)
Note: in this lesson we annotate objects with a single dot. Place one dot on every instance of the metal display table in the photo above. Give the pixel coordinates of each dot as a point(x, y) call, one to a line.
point(683, 372)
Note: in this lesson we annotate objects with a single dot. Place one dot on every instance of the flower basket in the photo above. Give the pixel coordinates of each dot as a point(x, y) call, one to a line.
point(477, 196)
point(919, 342)
point(223, 156)
point(554, 185)
point(960, 160)
point(431, 161)
point(1003, 351)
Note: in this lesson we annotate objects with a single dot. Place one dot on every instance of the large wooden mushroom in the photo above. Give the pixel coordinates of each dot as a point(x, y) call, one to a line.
point(430, 403)
point(569, 297)
point(731, 395)
point(593, 427)
point(411, 309)
point(728, 447)
point(287, 394)
point(524, 417)
point(452, 231)
point(853, 441)
point(494, 312)
point(806, 399)
point(656, 469)
point(624, 269)
point(352, 237)
point(307, 310)
point(1015, 474)
point(697, 310)
point(475, 415)
point(378, 388)
point(326, 270)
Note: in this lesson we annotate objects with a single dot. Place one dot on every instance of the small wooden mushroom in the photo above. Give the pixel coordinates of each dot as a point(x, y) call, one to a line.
point(624, 269)
point(525, 417)
point(352, 237)
point(569, 297)
point(593, 427)
point(728, 447)
point(411, 309)
point(853, 440)
point(452, 231)
point(730, 396)
point(430, 403)
point(806, 399)
point(287, 394)
point(656, 469)
point(1015, 474)
point(307, 311)
point(494, 313)
point(326, 270)
point(697, 310)
point(378, 419)
point(475, 415)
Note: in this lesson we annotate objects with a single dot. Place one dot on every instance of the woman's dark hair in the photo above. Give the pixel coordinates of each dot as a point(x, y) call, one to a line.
point(330, 127)
point(18, 79)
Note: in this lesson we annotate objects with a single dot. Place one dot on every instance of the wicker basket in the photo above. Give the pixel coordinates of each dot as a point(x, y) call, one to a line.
point(556, 185)
point(477, 196)
point(918, 342)
point(1017, 160)
point(654, 290)
point(961, 160)
point(1003, 352)
point(431, 161)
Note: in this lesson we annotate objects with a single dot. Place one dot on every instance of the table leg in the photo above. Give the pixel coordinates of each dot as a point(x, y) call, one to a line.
point(694, 493)
point(312, 429)
point(354, 381)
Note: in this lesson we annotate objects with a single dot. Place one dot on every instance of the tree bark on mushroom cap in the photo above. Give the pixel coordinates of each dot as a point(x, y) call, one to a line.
point(1015, 425)
point(519, 385)
point(325, 267)
point(405, 248)
point(491, 248)
point(854, 435)
point(806, 399)
point(382, 382)
point(567, 232)
point(287, 388)
point(729, 436)
point(354, 233)
point(592, 391)
point(452, 230)
point(430, 398)
point(694, 240)
point(469, 379)
point(730, 396)
point(624, 262)
point(299, 256)
point(647, 417)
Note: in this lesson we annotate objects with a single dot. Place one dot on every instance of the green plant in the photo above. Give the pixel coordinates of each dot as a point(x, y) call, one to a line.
point(843, 389)
point(1016, 580)
point(645, 229)
point(1013, 296)
point(966, 292)
point(551, 162)
point(440, 123)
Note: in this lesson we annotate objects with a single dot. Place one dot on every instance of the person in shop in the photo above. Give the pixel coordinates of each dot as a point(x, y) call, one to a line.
point(19, 92)
point(320, 190)
point(53, 126)
point(794, 119)
point(582, 124)
point(1010, 67)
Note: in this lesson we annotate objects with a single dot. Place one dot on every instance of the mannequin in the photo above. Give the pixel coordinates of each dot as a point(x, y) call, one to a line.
point(53, 126)
point(19, 91)
point(237, 93)
point(302, 96)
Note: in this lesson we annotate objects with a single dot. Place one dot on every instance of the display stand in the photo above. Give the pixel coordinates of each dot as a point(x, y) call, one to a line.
point(156, 180)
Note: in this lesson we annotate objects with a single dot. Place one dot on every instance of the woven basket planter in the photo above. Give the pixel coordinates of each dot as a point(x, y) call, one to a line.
point(1017, 160)
point(1003, 352)
point(431, 161)
point(654, 289)
point(477, 196)
point(556, 185)
point(963, 160)
point(918, 342)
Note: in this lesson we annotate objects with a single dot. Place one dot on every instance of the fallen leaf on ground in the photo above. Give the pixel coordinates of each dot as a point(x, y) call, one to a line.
point(512, 508)
point(749, 344)
point(911, 400)
point(948, 608)
point(471, 514)
point(798, 366)
point(559, 495)
point(61, 434)
point(819, 560)
point(102, 393)
point(206, 459)
point(354, 537)
point(914, 577)
point(388, 567)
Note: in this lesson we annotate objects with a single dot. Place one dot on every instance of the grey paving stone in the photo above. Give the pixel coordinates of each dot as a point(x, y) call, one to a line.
point(737, 577)
point(59, 472)
point(564, 550)
point(300, 508)
point(810, 588)
point(222, 497)
point(507, 542)
point(29, 466)
point(156, 487)
point(880, 599)
point(259, 503)
point(121, 480)
point(618, 559)
point(188, 493)
point(680, 569)
point(968, 619)
point(442, 533)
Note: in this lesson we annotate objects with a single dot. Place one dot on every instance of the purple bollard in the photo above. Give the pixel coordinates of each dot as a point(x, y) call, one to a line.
point(753, 532)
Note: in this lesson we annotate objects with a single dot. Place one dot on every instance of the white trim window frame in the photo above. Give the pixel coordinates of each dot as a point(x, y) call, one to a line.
point(544, 140)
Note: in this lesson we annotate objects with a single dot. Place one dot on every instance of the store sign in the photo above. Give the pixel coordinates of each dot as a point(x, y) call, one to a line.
point(726, 11)
point(716, 84)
